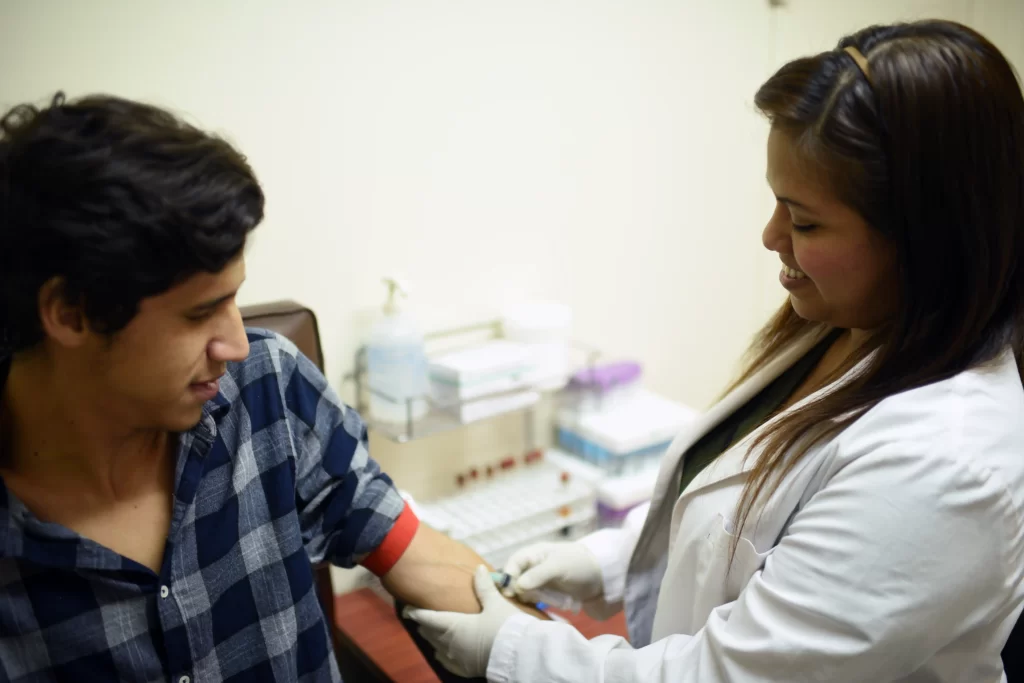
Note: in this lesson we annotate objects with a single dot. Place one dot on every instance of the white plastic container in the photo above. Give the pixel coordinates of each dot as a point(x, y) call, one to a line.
point(396, 363)
point(483, 408)
point(627, 437)
point(621, 501)
point(484, 380)
point(478, 371)
point(546, 328)
point(618, 497)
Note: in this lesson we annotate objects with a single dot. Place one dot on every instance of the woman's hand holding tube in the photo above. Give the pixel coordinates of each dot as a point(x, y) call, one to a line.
point(568, 568)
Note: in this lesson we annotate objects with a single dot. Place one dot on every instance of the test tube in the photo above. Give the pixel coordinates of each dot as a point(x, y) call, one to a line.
point(561, 601)
point(554, 599)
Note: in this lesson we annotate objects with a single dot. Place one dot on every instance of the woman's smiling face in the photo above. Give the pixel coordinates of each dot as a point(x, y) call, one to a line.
point(837, 268)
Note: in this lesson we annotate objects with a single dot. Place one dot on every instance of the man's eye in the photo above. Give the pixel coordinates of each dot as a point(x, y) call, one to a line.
point(805, 227)
point(199, 317)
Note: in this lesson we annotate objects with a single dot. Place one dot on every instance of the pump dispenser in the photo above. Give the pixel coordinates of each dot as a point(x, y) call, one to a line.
point(396, 362)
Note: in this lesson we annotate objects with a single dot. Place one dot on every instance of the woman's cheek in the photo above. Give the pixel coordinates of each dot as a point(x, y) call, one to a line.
point(837, 274)
point(817, 262)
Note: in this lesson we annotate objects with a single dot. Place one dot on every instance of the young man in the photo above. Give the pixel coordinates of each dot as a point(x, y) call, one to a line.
point(168, 478)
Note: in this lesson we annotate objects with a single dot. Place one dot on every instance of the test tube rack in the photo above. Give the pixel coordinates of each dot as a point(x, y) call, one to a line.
point(532, 503)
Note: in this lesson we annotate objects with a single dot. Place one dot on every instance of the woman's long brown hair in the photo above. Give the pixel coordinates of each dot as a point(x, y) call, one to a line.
point(928, 147)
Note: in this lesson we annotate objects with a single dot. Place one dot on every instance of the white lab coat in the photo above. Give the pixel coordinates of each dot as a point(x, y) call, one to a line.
point(891, 552)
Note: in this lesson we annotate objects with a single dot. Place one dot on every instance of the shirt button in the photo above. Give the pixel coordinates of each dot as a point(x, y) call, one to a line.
point(184, 679)
point(164, 592)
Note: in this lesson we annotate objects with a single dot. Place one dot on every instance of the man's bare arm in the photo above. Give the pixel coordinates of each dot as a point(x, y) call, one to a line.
point(436, 572)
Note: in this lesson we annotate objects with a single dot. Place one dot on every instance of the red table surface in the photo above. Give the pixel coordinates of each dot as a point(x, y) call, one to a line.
point(368, 624)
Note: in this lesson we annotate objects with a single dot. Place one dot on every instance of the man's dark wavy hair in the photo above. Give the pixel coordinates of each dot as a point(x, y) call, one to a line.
point(120, 200)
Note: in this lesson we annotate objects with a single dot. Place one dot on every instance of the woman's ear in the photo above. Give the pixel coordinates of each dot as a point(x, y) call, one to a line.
point(62, 321)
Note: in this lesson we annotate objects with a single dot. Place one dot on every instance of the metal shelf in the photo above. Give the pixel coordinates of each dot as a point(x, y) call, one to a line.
point(442, 417)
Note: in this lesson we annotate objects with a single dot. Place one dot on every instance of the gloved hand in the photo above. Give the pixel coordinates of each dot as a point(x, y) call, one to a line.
point(568, 568)
point(463, 642)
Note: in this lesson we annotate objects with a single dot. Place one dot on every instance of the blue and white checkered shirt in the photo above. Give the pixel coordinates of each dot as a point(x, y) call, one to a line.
point(275, 477)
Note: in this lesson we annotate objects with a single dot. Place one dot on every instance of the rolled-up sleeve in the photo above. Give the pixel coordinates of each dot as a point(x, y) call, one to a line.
point(349, 510)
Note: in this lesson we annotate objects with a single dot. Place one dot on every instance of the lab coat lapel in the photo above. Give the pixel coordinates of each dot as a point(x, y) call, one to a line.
point(728, 464)
point(649, 560)
point(738, 459)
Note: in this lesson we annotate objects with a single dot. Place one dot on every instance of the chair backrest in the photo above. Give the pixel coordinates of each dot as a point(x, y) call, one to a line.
point(292, 320)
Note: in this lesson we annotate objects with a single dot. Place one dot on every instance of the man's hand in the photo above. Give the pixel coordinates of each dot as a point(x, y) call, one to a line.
point(463, 642)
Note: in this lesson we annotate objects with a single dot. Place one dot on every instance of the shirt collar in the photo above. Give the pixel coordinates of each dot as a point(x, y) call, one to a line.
point(13, 513)
point(205, 431)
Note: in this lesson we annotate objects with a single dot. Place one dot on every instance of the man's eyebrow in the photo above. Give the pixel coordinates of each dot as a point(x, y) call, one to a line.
point(211, 304)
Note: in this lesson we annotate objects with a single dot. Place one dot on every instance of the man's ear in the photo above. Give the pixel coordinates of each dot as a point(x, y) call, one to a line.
point(63, 321)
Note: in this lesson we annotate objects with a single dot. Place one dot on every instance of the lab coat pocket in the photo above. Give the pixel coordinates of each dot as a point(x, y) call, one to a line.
point(730, 577)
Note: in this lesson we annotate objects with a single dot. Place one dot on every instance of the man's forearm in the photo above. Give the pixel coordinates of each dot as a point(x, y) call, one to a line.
point(436, 573)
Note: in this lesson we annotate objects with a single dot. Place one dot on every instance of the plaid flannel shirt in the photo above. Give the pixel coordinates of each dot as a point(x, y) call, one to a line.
point(276, 476)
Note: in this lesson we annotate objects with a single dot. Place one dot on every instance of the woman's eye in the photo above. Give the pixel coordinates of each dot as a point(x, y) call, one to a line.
point(804, 228)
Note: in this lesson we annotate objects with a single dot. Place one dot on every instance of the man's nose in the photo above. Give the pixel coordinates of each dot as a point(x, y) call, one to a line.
point(231, 344)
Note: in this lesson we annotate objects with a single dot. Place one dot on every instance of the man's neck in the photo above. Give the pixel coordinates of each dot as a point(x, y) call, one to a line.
point(51, 433)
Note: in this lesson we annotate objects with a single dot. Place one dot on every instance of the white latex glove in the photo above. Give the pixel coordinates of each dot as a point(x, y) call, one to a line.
point(568, 568)
point(463, 642)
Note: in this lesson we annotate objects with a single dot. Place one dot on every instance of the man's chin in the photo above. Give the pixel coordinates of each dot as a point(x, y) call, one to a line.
point(185, 421)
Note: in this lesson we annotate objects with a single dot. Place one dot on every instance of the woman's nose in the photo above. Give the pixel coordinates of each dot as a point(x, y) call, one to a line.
point(776, 234)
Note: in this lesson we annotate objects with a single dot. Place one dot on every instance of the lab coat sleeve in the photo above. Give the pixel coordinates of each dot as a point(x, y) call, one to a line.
point(894, 558)
point(613, 549)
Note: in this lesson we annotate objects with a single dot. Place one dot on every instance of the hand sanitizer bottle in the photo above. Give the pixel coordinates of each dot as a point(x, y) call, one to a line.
point(396, 363)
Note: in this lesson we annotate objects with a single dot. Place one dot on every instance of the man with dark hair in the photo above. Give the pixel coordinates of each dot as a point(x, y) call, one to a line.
point(168, 477)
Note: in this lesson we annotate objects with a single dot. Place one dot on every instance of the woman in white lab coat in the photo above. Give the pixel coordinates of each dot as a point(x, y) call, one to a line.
point(853, 508)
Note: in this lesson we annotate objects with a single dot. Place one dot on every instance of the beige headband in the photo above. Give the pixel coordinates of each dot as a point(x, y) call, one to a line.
point(860, 60)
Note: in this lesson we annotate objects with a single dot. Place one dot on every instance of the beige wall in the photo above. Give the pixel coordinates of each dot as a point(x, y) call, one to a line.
point(604, 153)
point(588, 151)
